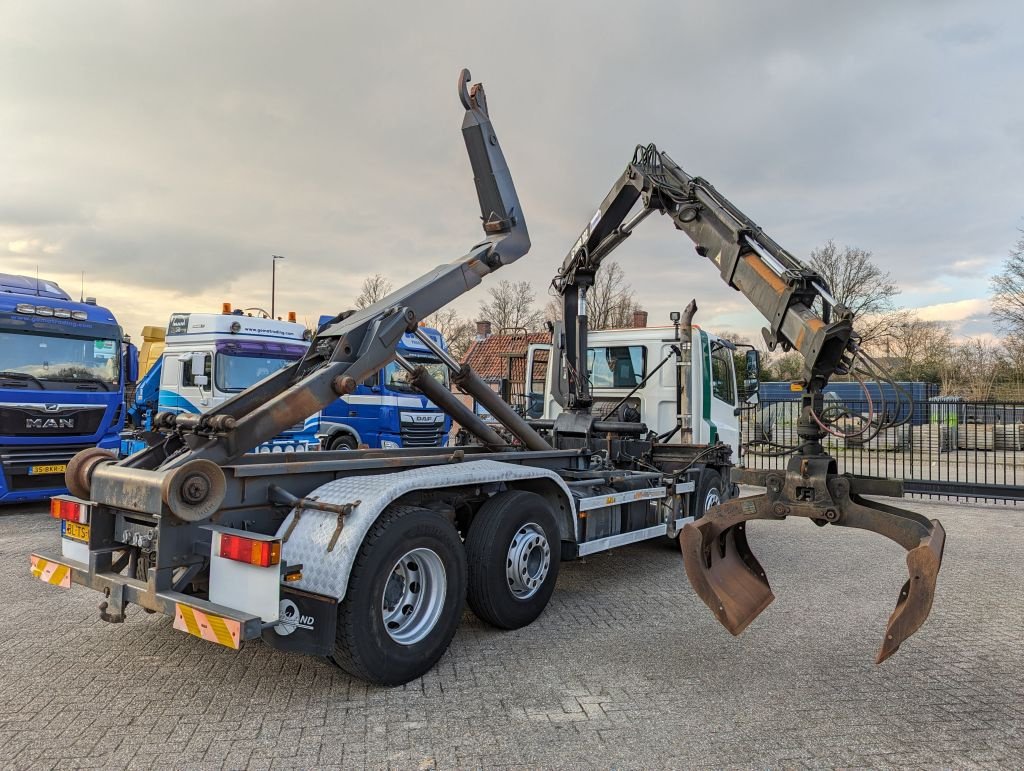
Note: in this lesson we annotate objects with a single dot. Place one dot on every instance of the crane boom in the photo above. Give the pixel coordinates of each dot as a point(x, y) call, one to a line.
point(801, 315)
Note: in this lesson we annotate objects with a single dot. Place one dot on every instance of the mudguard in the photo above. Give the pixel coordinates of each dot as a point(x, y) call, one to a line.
point(326, 543)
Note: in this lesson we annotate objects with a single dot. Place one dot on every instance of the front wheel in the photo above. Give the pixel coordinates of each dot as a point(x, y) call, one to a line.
point(710, 492)
point(513, 550)
point(404, 598)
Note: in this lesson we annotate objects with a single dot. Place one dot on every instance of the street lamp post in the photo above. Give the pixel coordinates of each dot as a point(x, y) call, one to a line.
point(273, 282)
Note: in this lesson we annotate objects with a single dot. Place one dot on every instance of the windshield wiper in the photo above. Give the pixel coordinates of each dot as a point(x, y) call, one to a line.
point(22, 376)
point(76, 379)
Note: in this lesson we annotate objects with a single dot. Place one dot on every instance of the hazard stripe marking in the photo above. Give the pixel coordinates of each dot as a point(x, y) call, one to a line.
point(51, 572)
point(207, 626)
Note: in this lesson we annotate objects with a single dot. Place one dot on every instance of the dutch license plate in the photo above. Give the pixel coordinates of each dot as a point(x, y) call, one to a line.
point(75, 531)
point(53, 468)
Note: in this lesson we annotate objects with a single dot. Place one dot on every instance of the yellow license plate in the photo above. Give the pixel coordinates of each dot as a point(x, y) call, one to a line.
point(75, 531)
point(53, 468)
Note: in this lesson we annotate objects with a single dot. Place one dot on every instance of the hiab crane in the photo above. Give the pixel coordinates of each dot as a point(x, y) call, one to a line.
point(368, 556)
point(803, 316)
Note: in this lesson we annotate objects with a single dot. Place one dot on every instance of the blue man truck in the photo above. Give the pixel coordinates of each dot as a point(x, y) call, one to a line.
point(63, 370)
point(207, 359)
point(386, 411)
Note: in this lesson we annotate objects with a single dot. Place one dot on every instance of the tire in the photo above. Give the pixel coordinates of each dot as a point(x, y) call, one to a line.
point(341, 442)
point(513, 549)
point(710, 491)
point(389, 632)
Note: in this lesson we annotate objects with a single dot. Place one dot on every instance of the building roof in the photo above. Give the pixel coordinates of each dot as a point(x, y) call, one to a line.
point(488, 357)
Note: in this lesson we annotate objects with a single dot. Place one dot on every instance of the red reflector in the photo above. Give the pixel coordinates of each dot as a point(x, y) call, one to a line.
point(69, 510)
point(241, 549)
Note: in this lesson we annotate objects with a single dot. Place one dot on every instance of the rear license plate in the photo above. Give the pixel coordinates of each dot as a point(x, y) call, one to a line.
point(53, 468)
point(75, 531)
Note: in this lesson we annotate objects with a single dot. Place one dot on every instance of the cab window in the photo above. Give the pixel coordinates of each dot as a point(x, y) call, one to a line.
point(617, 366)
point(723, 382)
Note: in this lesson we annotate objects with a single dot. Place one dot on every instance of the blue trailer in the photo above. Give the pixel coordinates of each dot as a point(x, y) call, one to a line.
point(385, 411)
point(63, 370)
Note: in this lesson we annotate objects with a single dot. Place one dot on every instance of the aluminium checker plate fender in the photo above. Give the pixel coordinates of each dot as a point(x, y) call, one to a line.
point(326, 570)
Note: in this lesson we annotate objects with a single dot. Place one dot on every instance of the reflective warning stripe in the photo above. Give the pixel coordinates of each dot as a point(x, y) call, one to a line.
point(207, 626)
point(51, 572)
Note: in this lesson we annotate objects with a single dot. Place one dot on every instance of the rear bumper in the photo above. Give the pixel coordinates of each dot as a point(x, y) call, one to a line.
point(199, 618)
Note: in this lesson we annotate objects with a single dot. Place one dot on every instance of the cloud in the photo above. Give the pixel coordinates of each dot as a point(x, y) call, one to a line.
point(168, 150)
point(958, 310)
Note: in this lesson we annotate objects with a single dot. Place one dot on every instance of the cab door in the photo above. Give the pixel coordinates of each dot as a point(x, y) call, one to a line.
point(724, 401)
point(540, 400)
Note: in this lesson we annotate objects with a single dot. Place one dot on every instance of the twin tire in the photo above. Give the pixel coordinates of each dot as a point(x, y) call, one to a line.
point(413, 574)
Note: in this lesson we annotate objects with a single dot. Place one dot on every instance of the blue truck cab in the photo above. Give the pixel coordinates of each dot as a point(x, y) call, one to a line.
point(210, 357)
point(63, 369)
point(386, 411)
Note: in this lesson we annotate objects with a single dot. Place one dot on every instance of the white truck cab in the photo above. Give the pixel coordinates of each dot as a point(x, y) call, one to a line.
point(620, 359)
point(210, 357)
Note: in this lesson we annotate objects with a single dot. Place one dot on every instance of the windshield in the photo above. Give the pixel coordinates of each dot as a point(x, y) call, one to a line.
point(60, 358)
point(237, 371)
point(397, 379)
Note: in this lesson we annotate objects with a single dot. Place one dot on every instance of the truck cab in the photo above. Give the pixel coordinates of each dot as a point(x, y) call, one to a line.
point(386, 411)
point(63, 370)
point(210, 357)
point(619, 360)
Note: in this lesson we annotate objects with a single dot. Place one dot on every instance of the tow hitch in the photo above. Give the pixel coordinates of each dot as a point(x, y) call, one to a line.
point(731, 582)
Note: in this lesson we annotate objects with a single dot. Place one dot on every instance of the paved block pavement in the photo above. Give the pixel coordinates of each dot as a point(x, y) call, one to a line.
point(626, 668)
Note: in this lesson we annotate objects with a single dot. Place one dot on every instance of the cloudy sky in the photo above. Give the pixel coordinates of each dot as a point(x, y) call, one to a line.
point(168, 149)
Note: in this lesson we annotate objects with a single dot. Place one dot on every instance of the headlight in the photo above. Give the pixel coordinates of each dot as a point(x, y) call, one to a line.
point(389, 445)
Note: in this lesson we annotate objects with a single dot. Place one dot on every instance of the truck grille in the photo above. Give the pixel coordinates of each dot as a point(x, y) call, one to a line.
point(16, 462)
point(67, 420)
point(423, 436)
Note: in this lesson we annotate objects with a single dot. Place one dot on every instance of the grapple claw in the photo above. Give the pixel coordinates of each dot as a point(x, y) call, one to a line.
point(731, 582)
point(722, 570)
point(915, 601)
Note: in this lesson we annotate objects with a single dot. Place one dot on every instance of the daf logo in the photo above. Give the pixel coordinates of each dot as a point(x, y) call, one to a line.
point(423, 418)
point(43, 423)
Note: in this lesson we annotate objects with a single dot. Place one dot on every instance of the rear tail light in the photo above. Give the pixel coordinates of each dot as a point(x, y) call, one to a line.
point(72, 511)
point(249, 550)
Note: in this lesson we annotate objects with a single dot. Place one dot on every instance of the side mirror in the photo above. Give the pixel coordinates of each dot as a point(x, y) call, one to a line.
point(131, 363)
point(198, 365)
point(752, 382)
point(201, 380)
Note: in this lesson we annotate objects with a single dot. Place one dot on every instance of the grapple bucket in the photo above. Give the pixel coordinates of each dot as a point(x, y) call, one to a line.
point(731, 582)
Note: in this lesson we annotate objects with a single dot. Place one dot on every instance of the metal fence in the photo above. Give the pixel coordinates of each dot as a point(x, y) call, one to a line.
point(950, 448)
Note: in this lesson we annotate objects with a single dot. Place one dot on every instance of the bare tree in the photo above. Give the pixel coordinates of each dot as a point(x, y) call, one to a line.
point(374, 289)
point(610, 301)
point(458, 332)
point(859, 284)
point(973, 369)
point(1008, 291)
point(917, 349)
point(511, 306)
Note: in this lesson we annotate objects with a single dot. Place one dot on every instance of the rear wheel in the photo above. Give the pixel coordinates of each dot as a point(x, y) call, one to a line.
point(404, 598)
point(513, 550)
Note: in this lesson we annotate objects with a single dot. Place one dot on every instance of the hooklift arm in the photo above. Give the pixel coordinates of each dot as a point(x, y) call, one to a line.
point(182, 472)
point(719, 563)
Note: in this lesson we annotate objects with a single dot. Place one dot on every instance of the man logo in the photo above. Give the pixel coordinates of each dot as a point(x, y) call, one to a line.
point(44, 423)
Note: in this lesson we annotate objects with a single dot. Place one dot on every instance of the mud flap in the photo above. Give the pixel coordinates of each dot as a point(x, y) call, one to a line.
point(308, 623)
point(728, 578)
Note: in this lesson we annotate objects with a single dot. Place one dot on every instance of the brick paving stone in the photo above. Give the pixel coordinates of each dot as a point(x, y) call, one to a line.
point(626, 669)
